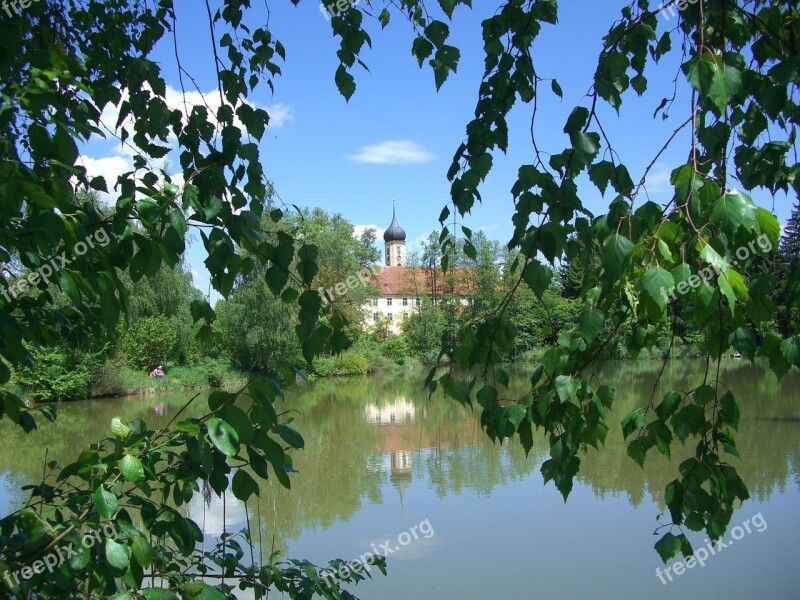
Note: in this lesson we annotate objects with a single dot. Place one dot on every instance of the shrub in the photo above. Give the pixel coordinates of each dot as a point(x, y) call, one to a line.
point(147, 341)
point(215, 378)
point(395, 348)
point(351, 363)
point(347, 363)
point(55, 376)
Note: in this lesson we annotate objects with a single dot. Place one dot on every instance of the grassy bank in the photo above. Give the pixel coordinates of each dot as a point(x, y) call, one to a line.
point(51, 383)
point(187, 377)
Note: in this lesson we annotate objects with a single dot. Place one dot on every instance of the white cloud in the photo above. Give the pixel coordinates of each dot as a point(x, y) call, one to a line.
point(418, 243)
point(658, 179)
point(393, 152)
point(359, 229)
point(109, 167)
point(279, 114)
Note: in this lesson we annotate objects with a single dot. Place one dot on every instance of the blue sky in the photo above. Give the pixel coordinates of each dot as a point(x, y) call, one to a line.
point(397, 135)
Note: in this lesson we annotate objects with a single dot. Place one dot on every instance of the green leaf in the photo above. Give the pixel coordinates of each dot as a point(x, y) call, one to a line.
point(105, 502)
point(657, 284)
point(687, 421)
point(668, 405)
point(729, 410)
point(515, 413)
point(714, 258)
point(243, 485)
point(704, 394)
point(290, 436)
point(537, 276)
point(384, 17)
point(421, 49)
point(131, 468)
point(668, 546)
point(223, 436)
point(240, 422)
point(159, 594)
point(566, 387)
point(791, 350)
point(556, 89)
point(119, 429)
point(577, 120)
point(633, 421)
point(770, 227)
point(118, 555)
point(142, 551)
point(591, 323)
point(733, 210)
point(716, 81)
point(197, 590)
point(345, 82)
point(615, 252)
point(586, 145)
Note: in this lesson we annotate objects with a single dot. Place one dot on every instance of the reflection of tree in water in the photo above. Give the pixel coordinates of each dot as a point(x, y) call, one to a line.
point(767, 441)
point(349, 460)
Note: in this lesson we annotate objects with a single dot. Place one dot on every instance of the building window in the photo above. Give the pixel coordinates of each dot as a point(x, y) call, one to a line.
point(405, 301)
point(416, 300)
point(374, 302)
point(391, 317)
point(388, 302)
point(405, 316)
point(376, 317)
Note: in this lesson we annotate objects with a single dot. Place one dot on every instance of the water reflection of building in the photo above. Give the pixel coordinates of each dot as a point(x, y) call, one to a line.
point(394, 418)
point(400, 474)
point(399, 410)
point(401, 433)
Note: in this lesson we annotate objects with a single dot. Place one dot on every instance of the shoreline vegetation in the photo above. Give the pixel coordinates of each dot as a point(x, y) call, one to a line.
point(115, 381)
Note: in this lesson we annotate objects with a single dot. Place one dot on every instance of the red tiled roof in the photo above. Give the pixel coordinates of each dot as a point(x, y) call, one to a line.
point(418, 281)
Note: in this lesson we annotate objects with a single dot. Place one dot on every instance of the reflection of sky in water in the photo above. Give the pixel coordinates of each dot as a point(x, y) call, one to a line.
point(210, 516)
point(10, 496)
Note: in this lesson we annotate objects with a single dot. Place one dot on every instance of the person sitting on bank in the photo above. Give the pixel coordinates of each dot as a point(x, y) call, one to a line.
point(159, 372)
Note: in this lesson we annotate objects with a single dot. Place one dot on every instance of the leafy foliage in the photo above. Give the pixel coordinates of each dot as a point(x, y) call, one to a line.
point(64, 63)
point(147, 342)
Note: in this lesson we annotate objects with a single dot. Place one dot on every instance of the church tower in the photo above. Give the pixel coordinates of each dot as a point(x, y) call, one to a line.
point(395, 242)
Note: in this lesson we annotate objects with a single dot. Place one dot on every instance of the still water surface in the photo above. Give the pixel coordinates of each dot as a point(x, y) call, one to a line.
point(381, 458)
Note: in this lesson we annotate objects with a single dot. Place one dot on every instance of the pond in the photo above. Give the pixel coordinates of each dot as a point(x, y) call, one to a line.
point(386, 468)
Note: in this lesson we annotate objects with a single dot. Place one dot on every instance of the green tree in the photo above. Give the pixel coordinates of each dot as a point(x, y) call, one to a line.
point(257, 329)
point(784, 267)
point(147, 342)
